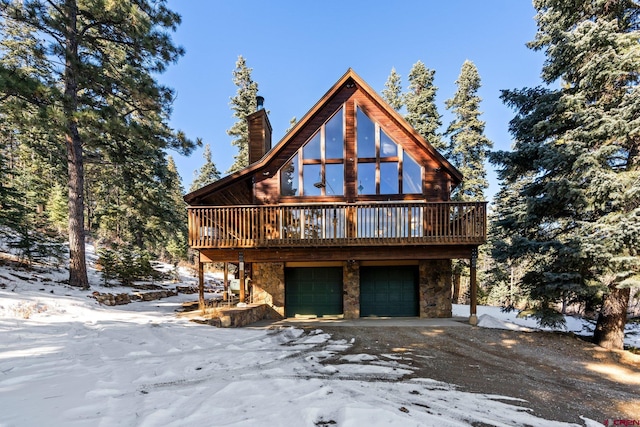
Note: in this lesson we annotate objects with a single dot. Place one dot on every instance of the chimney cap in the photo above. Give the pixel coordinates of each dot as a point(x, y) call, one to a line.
point(259, 103)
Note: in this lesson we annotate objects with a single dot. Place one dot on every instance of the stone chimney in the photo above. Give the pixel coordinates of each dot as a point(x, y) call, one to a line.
point(259, 132)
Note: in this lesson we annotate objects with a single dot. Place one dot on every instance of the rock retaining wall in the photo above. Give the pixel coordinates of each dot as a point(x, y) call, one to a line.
point(122, 299)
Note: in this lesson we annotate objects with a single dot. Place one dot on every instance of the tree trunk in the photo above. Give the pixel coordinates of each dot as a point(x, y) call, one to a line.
point(77, 256)
point(612, 319)
point(456, 288)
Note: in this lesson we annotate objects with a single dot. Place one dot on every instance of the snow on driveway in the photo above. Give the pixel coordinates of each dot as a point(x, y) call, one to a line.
point(73, 363)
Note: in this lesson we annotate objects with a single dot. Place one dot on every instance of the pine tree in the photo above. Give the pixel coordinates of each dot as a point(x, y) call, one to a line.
point(392, 92)
point(108, 103)
point(243, 104)
point(420, 101)
point(468, 146)
point(176, 244)
point(207, 174)
point(292, 123)
point(580, 143)
point(11, 210)
point(56, 209)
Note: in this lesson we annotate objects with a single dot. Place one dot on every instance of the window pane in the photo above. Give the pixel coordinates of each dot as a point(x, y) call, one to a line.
point(366, 178)
point(289, 178)
point(312, 180)
point(334, 174)
point(411, 175)
point(388, 148)
point(311, 150)
point(366, 136)
point(389, 178)
point(334, 140)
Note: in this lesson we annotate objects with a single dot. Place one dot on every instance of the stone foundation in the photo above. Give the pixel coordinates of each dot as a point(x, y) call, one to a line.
point(435, 288)
point(351, 289)
point(268, 285)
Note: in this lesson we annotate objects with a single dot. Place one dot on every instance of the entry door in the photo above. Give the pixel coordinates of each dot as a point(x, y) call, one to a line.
point(389, 291)
point(313, 291)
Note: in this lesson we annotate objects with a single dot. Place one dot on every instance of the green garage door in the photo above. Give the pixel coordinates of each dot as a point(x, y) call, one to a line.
point(389, 291)
point(313, 291)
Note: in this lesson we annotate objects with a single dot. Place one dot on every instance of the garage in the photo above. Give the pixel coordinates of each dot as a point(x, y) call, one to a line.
point(313, 291)
point(390, 291)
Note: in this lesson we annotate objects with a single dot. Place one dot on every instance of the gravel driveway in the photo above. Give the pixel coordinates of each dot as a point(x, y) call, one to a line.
point(559, 375)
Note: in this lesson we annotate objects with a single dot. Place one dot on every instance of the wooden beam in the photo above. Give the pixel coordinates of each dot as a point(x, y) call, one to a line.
point(201, 283)
point(473, 317)
point(374, 253)
point(241, 276)
point(225, 282)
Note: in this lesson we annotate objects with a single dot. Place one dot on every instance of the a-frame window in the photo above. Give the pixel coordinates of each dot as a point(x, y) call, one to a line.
point(383, 166)
point(318, 168)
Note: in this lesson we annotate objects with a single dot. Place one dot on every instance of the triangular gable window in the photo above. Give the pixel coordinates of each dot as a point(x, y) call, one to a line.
point(319, 171)
point(383, 166)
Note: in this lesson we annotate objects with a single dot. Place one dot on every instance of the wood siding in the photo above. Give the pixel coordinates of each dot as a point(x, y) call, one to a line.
point(436, 182)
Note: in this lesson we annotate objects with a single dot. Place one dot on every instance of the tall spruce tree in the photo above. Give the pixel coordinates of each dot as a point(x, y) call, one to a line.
point(242, 104)
point(110, 107)
point(420, 100)
point(468, 146)
point(176, 241)
point(392, 92)
point(207, 174)
point(581, 145)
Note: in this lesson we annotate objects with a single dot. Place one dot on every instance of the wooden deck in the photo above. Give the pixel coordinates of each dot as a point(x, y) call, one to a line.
point(338, 225)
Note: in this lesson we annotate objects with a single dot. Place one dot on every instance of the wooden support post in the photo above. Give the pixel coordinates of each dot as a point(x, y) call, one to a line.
point(241, 276)
point(225, 282)
point(473, 317)
point(200, 284)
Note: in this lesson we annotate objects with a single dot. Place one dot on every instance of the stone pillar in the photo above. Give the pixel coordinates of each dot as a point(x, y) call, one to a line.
point(351, 289)
point(435, 288)
point(268, 285)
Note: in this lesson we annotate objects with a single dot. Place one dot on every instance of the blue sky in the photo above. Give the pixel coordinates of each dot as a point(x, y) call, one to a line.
point(299, 49)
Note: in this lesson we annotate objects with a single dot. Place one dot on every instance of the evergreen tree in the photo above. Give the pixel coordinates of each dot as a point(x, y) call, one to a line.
point(207, 174)
point(11, 210)
point(580, 146)
point(392, 92)
point(292, 123)
point(56, 208)
point(420, 101)
point(176, 245)
point(243, 104)
point(468, 146)
point(108, 104)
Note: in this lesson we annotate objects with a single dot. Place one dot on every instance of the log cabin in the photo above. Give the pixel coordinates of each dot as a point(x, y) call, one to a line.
point(348, 215)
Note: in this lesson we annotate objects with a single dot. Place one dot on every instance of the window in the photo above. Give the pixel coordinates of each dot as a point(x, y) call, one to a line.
point(383, 166)
point(319, 171)
point(411, 176)
point(380, 166)
point(289, 178)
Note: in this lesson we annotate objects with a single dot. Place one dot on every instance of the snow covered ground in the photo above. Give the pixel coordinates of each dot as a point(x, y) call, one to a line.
point(67, 361)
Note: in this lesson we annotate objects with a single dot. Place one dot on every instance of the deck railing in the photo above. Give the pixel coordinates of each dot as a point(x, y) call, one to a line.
point(359, 224)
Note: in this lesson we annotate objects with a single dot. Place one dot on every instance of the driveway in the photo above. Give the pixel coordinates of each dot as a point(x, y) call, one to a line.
point(560, 376)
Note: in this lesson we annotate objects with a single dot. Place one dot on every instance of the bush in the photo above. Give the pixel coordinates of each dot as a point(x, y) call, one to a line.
point(125, 264)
